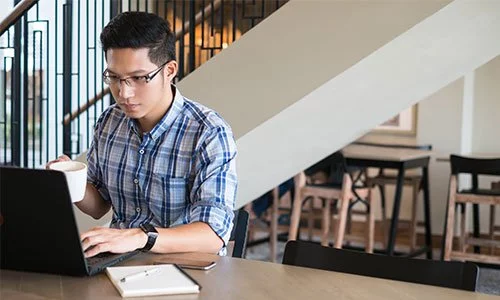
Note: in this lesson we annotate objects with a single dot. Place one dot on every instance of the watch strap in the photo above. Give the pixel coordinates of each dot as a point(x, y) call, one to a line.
point(152, 234)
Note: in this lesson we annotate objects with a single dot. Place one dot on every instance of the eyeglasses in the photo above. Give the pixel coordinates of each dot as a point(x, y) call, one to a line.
point(131, 81)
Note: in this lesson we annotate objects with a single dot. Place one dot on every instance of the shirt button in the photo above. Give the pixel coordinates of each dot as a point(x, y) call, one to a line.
point(141, 151)
point(136, 181)
point(138, 209)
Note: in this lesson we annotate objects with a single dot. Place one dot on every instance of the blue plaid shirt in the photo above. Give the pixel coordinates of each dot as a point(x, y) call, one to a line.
point(182, 171)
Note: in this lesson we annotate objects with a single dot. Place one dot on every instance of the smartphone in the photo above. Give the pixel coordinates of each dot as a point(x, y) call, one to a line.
point(188, 263)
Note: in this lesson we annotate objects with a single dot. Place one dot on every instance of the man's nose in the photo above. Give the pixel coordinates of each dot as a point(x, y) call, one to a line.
point(125, 91)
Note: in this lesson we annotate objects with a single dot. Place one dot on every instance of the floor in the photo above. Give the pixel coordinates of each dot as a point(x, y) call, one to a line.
point(489, 279)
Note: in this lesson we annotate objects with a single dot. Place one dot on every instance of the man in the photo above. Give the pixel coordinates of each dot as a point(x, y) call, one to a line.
point(163, 163)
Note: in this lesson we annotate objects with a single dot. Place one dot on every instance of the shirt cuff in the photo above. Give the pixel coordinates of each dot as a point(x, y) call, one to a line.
point(218, 216)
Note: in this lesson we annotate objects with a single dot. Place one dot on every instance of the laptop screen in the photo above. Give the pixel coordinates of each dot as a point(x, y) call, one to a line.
point(39, 231)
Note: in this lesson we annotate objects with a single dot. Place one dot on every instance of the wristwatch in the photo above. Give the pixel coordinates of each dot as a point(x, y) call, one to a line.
point(152, 234)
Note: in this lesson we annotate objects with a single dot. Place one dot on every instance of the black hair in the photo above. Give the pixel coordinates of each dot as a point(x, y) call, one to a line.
point(140, 30)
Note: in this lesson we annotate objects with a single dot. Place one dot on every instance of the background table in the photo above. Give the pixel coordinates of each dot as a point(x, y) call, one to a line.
point(401, 159)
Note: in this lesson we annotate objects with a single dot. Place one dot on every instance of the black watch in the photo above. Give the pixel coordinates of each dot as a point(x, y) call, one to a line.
point(152, 234)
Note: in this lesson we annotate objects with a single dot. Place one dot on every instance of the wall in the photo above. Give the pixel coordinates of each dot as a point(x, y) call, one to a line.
point(439, 124)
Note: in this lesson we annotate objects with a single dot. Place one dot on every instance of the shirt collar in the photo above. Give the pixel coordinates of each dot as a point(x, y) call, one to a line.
point(167, 120)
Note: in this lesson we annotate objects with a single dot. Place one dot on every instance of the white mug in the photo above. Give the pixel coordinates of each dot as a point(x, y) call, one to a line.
point(76, 177)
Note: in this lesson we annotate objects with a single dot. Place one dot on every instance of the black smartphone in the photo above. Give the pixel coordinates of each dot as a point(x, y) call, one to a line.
point(188, 263)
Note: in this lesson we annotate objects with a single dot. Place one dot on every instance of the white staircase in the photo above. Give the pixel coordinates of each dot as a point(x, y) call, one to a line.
point(316, 75)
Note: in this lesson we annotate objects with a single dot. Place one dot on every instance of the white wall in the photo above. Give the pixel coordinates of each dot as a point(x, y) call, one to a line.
point(439, 124)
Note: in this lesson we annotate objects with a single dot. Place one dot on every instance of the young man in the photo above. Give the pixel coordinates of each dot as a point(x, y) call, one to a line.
point(163, 163)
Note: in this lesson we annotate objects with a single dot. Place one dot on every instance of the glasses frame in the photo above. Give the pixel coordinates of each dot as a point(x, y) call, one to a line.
point(148, 77)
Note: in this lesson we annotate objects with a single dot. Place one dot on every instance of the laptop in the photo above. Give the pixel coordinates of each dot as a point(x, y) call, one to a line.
point(39, 231)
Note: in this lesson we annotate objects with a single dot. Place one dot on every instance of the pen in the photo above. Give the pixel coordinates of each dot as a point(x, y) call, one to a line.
point(140, 274)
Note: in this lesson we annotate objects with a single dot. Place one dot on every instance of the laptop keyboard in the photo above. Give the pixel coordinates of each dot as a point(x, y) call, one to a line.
point(101, 257)
point(100, 261)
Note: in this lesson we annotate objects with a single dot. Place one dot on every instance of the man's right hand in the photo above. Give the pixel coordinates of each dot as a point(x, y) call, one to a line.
point(60, 158)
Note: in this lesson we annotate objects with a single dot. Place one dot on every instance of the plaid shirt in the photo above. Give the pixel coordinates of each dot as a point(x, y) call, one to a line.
point(182, 171)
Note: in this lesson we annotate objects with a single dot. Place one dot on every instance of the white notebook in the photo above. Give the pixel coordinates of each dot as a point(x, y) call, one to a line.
point(164, 279)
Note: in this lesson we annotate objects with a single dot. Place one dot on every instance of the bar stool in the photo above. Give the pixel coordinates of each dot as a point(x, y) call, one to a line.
point(475, 196)
point(339, 188)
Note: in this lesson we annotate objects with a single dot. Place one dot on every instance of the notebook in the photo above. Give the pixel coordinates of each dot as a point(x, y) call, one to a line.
point(163, 279)
point(39, 231)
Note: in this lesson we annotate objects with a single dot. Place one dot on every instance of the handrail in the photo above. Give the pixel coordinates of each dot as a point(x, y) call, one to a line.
point(15, 14)
point(68, 118)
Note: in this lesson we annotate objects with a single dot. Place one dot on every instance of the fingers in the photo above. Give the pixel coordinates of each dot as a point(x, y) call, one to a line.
point(92, 241)
point(100, 239)
point(60, 158)
point(93, 231)
point(100, 248)
point(93, 236)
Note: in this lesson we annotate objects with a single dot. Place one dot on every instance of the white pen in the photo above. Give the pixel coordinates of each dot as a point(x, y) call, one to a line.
point(140, 274)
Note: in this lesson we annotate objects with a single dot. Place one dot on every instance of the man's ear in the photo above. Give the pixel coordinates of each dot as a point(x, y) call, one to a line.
point(170, 70)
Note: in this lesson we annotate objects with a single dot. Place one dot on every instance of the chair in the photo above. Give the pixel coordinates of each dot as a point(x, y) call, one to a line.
point(460, 197)
point(239, 233)
point(275, 218)
point(338, 187)
point(450, 274)
point(411, 179)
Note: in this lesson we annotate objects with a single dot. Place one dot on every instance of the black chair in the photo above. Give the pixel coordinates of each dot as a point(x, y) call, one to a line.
point(457, 196)
point(239, 233)
point(450, 274)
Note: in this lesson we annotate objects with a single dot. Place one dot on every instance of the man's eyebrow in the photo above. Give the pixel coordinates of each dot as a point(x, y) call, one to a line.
point(136, 72)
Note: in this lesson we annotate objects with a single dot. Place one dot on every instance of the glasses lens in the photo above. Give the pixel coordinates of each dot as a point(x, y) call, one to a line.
point(136, 81)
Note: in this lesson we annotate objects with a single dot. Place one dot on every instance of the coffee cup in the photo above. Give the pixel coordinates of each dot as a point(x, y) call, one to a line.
point(76, 177)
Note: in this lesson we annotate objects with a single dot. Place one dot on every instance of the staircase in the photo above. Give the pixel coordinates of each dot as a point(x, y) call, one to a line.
point(299, 95)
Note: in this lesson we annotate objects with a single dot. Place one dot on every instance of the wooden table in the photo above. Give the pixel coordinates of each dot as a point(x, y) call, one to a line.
point(232, 278)
point(400, 159)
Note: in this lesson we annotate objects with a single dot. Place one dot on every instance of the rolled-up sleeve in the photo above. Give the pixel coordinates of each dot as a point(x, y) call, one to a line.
point(214, 188)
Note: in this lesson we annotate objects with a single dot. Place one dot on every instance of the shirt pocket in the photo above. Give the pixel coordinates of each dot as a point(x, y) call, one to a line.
point(170, 200)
